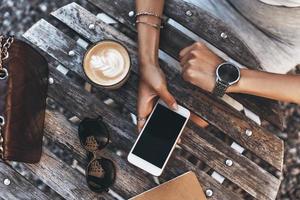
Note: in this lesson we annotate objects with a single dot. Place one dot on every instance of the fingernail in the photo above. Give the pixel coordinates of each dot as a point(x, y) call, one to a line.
point(175, 106)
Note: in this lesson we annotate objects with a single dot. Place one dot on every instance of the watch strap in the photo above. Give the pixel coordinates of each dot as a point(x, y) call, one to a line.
point(220, 88)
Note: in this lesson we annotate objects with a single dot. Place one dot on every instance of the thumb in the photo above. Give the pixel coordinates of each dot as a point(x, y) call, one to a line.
point(146, 99)
point(168, 98)
point(144, 109)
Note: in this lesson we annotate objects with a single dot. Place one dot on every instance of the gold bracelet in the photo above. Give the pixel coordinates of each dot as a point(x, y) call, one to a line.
point(156, 26)
point(148, 13)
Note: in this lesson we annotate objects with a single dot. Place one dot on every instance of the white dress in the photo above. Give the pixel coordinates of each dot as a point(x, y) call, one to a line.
point(287, 3)
point(270, 28)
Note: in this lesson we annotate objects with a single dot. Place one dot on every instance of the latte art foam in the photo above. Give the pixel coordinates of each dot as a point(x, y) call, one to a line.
point(108, 62)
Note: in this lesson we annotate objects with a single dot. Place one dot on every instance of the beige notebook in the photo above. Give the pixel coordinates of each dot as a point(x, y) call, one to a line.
point(185, 187)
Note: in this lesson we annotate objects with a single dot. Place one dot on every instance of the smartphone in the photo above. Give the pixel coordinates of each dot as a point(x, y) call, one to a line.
point(158, 138)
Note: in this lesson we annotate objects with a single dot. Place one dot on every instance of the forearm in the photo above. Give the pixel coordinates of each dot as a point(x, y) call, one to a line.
point(148, 37)
point(275, 86)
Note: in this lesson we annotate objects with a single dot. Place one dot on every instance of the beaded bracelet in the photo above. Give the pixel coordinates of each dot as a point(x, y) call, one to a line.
point(148, 13)
point(157, 26)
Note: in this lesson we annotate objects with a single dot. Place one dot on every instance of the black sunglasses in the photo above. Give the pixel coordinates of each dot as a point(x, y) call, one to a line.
point(100, 172)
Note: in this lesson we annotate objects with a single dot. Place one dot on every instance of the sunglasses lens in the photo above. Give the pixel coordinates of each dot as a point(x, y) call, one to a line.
point(93, 134)
point(101, 174)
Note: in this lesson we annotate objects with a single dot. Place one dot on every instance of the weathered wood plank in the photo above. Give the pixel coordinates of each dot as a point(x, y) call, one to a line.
point(262, 143)
point(179, 166)
point(265, 108)
point(231, 122)
point(249, 176)
point(19, 187)
point(63, 179)
point(207, 145)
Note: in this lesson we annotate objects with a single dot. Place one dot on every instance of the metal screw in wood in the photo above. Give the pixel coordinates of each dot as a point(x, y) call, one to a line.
point(92, 26)
point(224, 35)
point(6, 181)
point(248, 132)
point(71, 53)
point(189, 13)
point(229, 162)
point(209, 193)
point(131, 14)
point(51, 80)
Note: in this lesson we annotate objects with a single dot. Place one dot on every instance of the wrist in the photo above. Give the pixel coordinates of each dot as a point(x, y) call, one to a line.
point(148, 60)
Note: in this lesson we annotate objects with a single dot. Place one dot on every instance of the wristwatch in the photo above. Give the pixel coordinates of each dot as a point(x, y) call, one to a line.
point(227, 74)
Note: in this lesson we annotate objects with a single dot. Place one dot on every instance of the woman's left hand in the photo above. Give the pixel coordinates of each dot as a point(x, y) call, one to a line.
point(199, 65)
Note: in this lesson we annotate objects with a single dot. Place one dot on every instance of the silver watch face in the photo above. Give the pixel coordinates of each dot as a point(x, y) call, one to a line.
point(228, 73)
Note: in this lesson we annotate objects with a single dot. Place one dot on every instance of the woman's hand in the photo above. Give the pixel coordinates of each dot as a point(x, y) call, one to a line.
point(199, 65)
point(152, 85)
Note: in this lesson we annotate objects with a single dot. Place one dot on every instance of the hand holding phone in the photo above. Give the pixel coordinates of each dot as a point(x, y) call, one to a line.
point(158, 138)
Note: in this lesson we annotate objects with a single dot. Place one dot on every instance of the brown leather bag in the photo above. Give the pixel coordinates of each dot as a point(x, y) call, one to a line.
point(22, 103)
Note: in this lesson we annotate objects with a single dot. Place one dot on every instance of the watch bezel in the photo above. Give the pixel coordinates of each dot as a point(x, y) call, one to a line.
point(218, 78)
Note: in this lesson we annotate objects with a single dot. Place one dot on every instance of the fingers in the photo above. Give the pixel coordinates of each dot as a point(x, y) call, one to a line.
point(179, 141)
point(146, 103)
point(190, 52)
point(168, 98)
point(185, 59)
point(144, 109)
point(195, 46)
point(185, 50)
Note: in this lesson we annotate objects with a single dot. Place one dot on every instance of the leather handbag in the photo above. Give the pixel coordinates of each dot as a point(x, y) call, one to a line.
point(23, 90)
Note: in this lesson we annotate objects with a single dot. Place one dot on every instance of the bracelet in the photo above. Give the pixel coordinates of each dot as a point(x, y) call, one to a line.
point(148, 13)
point(156, 26)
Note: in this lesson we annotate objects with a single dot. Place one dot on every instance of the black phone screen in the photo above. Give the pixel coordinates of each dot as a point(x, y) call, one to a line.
point(159, 136)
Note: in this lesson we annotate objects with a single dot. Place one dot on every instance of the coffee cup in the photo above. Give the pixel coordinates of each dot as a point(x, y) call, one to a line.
point(107, 64)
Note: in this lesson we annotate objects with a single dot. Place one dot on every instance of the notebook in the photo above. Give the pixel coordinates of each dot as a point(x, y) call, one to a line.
point(185, 187)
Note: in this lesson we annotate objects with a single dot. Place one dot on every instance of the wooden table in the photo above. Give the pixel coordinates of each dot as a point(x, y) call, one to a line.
point(229, 156)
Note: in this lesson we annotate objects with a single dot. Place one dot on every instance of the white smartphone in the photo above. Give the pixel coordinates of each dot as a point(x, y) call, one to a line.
point(158, 138)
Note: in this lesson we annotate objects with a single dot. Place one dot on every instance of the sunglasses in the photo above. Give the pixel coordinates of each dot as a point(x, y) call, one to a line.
point(100, 172)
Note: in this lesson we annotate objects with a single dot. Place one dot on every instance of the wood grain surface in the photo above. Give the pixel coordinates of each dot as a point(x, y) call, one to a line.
point(123, 132)
point(19, 187)
point(197, 141)
point(66, 137)
point(62, 178)
point(131, 181)
point(213, 110)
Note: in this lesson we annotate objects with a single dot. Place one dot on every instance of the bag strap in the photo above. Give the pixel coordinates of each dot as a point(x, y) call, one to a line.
point(4, 47)
point(4, 53)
